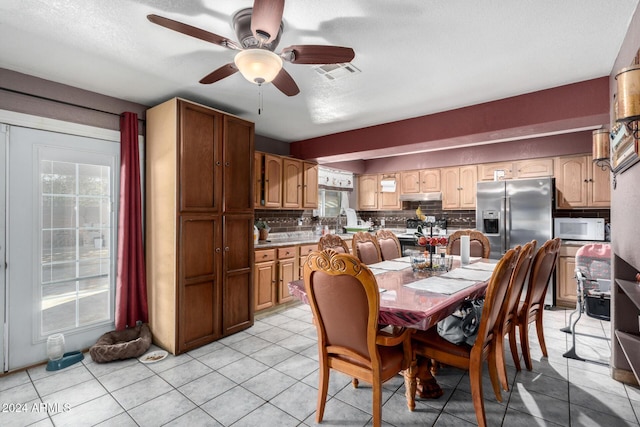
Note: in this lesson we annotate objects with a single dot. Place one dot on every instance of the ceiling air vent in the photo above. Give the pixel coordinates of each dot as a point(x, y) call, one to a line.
point(336, 71)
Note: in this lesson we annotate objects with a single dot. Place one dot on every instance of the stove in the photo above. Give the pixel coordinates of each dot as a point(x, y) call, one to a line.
point(431, 225)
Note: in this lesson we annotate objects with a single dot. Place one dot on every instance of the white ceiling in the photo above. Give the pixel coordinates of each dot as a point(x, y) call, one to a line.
point(416, 57)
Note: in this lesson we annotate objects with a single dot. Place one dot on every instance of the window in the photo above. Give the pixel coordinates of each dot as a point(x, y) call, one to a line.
point(75, 250)
point(329, 202)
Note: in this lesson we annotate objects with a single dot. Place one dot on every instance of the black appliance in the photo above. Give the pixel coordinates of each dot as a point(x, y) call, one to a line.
point(435, 227)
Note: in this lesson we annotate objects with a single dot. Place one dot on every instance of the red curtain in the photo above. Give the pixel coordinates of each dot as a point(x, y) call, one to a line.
point(131, 286)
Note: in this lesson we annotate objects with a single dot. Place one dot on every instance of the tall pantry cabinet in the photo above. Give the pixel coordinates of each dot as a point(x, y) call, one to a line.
point(199, 224)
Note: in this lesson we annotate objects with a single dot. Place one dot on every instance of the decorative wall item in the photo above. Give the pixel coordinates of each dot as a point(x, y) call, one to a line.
point(334, 178)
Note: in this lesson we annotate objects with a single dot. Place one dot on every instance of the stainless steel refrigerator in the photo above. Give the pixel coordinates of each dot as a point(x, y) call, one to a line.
point(514, 212)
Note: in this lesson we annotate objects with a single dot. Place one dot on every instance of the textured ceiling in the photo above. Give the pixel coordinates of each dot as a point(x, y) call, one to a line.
point(416, 57)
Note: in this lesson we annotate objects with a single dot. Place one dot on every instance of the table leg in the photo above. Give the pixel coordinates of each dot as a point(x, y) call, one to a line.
point(426, 385)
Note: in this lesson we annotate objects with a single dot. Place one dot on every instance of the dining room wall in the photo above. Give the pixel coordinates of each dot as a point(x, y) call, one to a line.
point(625, 206)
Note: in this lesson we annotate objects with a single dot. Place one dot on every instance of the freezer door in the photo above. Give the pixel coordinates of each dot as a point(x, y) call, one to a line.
point(490, 215)
point(530, 204)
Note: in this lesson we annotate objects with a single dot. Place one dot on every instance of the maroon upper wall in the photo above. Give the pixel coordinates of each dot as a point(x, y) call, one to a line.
point(557, 110)
point(556, 145)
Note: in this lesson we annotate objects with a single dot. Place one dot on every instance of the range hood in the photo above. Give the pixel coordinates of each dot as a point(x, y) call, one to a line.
point(421, 197)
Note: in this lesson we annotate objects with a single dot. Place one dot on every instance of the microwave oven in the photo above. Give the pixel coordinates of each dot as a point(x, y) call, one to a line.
point(579, 228)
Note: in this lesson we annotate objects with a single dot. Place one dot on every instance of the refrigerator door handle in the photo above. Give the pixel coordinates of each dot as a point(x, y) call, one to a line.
point(507, 223)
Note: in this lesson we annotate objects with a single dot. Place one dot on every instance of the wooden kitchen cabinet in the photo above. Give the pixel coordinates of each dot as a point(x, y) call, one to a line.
point(265, 278)
point(368, 192)
point(420, 181)
point(291, 183)
point(580, 183)
point(518, 169)
point(486, 170)
point(303, 253)
point(533, 168)
point(309, 185)
point(258, 179)
point(459, 187)
point(389, 200)
point(272, 181)
point(566, 285)
point(287, 272)
point(371, 196)
point(284, 182)
point(199, 224)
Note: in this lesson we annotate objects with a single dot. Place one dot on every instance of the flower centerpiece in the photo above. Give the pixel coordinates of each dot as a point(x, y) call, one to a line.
point(432, 244)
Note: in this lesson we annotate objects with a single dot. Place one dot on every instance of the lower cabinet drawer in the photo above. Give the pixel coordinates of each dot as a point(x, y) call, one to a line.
point(262, 255)
point(288, 252)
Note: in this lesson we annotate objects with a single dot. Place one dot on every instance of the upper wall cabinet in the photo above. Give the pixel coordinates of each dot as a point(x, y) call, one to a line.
point(420, 181)
point(371, 195)
point(459, 187)
point(291, 183)
point(581, 184)
point(285, 183)
point(309, 185)
point(534, 168)
point(268, 180)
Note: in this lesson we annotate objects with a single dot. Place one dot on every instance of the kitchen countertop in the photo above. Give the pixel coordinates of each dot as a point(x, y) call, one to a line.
point(299, 238)
point(582, 242)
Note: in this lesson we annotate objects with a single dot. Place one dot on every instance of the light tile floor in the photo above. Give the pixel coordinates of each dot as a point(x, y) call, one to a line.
point(267, 376)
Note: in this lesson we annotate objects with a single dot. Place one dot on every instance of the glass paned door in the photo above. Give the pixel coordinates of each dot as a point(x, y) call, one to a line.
point(61, 245)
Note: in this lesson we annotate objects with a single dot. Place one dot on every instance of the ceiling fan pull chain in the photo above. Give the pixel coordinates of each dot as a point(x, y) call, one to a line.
point(259, 99)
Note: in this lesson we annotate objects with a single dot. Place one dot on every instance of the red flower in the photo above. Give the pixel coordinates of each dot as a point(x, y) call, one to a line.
point(442, 240)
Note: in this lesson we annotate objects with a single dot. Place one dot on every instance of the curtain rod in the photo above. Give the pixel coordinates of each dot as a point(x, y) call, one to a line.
point(71, 104)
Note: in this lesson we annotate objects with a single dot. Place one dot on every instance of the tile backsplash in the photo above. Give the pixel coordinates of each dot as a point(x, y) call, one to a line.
point(303, 220)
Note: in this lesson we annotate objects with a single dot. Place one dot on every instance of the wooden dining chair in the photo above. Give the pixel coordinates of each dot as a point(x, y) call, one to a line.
point(479, 245)
point(345, 301)
point(532, 308)
point(333, 241)
point(389, 244)
point(432, 346)
point(366, 248)
point(506, 322)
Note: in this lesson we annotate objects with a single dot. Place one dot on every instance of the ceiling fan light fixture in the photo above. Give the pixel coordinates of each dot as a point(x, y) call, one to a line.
point(258, 65)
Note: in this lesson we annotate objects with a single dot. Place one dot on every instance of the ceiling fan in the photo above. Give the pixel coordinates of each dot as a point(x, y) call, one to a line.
point(258, 30)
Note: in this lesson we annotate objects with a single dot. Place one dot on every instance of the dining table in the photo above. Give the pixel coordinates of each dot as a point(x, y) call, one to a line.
point(419, 298)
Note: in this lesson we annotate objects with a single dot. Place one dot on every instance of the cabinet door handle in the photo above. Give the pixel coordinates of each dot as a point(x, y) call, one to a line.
point(586, 180)
point(217, 250)
point(226, 248)
point(227, 164)
point(218, 163)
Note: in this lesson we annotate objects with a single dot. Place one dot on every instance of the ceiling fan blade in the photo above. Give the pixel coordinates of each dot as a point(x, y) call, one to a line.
point(266, 18)
point(219, 74)
point(284, 82)
point(193, 31)
point(317, 54)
